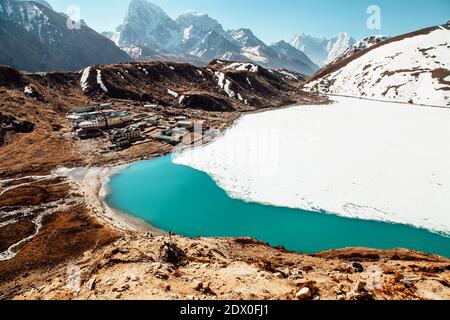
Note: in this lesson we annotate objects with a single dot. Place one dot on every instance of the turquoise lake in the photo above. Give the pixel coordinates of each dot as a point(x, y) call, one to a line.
point(189, 203)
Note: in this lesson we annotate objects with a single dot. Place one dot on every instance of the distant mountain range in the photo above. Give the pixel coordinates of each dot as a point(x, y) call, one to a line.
point(36, 38)
point(148, 28)
point(33, 37)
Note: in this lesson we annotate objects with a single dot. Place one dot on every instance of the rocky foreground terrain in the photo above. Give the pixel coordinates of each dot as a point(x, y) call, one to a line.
point(145, 266)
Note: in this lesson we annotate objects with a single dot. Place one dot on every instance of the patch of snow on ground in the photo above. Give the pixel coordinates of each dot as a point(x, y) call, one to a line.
point(100, 81)
point(242, 67)
point(248, 81)
point(84, 79)
point(356, 158)
point(225, 84)
point(28, 90)
point(172, 93)
point(288, 74)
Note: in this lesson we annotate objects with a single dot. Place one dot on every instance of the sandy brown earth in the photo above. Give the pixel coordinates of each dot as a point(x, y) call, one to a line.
point(65, 250)
point(145, 266)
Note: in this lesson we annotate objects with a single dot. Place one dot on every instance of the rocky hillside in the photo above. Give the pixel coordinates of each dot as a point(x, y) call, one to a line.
point(411, 68)
point(197, 35)
point(145, 266)
point(220, 86)
point(35, 38)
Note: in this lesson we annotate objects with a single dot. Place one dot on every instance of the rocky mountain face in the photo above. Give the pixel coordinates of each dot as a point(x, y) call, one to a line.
point(321, 50)
point(411, 68)
point(35, 38)
point(148, 25)
point(194, 34)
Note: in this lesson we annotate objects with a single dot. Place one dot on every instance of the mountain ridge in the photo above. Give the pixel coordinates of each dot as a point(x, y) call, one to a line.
point(46, 43)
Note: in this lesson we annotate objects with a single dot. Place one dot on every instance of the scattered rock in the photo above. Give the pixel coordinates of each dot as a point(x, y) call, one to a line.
point(171, 253)
point(360, 286)
point(203, 287)
point(135, 278)
point(304, 294)
point(91, 284)
point(198, 286)
point(124, 288)
point(358, 267)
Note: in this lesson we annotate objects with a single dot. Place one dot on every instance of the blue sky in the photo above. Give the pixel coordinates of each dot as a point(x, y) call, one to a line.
point(274, 20)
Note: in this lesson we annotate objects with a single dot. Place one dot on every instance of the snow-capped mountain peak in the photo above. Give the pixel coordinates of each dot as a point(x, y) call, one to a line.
point(199, 21)
point(147, 24)
point(338, 45)
point(322, 50)
point(196, 26)
point(245, 37)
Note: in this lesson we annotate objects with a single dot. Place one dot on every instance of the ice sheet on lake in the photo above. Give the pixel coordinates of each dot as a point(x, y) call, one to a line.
point(355, 158)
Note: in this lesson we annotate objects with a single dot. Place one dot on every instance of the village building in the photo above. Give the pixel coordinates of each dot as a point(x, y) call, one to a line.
point(187, 124)
point(153, 106)
point(94, 124)
point(153, 121)
point(84, 109)
point(173, 135)
point(122, 138)
point(118, 119)
point(88, 134)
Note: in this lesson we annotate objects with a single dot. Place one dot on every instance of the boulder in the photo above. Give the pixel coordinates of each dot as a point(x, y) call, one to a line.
point(171, 253)
point(358, 267)
point(304, 294)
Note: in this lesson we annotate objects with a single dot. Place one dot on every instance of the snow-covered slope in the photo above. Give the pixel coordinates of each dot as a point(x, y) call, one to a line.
point(412, 68)
point(321, 50)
